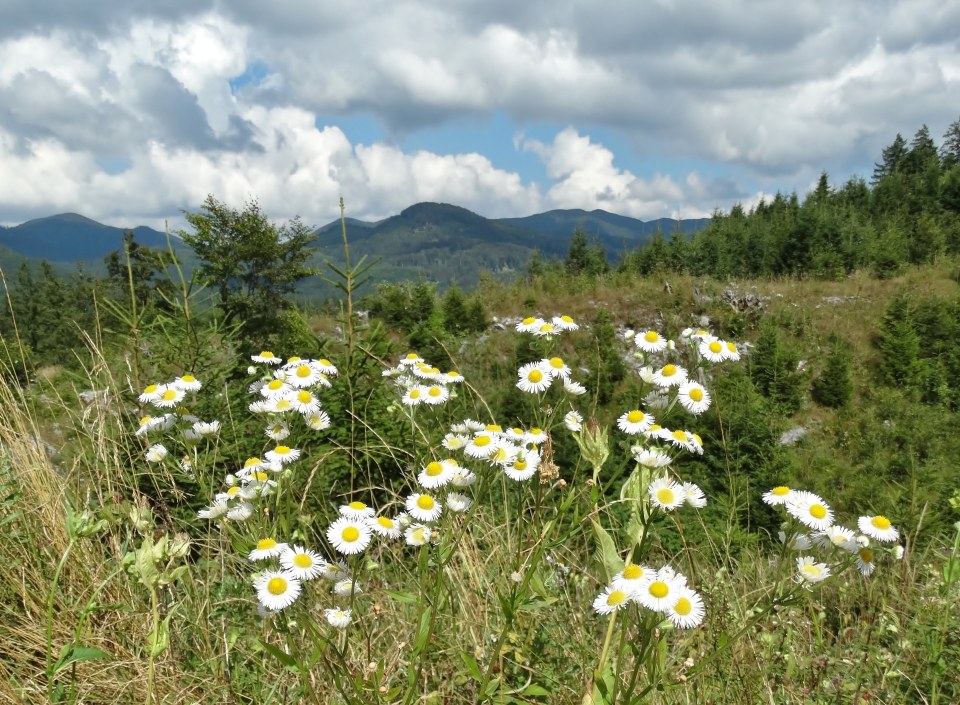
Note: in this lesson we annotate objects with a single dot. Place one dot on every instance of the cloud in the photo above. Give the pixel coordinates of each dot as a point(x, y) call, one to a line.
point(194, 97)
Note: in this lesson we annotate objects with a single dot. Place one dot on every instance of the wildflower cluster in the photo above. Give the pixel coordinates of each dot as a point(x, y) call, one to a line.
point(663, 591)
point(810, 527)
point(173, 416)
point(420, 382)
point(284, 393)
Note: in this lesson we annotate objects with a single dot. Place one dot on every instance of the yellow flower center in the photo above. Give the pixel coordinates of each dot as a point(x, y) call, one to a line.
point(232, 491)
point(651, 336)
point(277, 586)
point(669, 370)
point(636, 416)
point(566, 319)
point(419, 535)
point(251, 462)
point(260, 476)
point(696, 394)
point(385, 522)
point(520, 465)
point(188, 378)
point(412, 356)
point(303, 371)
point(731, 347)
point(493, 427)
point(435, 391)
point(715, 347)
point(350, 534)
point(304, 397)
point(632, 572)
point(556, 363)
point(665, 495)
point(302, 560)
point(282, 450)
point(414, 393)
point(360, 506)
point(275, 384)
point(683, 607)
point(818, 511)
point(264, 544)
point(528, 320)
point(535, 376)
point(616, 597)
point(536, 431)
point(151, 388)
point(324, 361)
point(481, 441)
point(265, 353)
point(880, 522)
point(145, 420)
point(425, 502)
point(680, 436)
point(866, 555)
point(546, 328)
point(434, 468)
point(659, 589)
point(169, 395)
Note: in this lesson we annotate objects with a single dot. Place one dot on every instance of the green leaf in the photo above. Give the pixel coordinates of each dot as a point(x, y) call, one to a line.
point(492, 687)
point(951, 571)
point(610, 560)
point(423, 631)
point(406, 597)
point(284, 658)
point(158, 639)
point(473, 668)
point(71, 654)
point(534, 690)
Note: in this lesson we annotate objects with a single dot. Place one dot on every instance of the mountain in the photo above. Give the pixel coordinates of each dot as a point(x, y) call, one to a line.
point(435, 241)
point(444, 243)
point(69, 237)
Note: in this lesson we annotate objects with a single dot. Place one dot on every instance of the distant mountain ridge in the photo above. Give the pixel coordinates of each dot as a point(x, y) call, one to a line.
point(437, 241)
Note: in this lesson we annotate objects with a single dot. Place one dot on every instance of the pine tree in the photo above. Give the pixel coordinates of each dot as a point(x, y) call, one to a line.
point(834, 386)
point(891, 160)
point(950, 149)
point(899, 346)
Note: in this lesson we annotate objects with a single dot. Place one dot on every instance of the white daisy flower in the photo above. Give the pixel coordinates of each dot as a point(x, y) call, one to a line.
point(346, 587)
point(797, 542)
point(385, 526)
point(686, 610)
point(436, 394)
point(318, 421)
point(610, 600)
point(837, 536)
point(207, 428)
point(275, 389)
point(565, 322)
point(423, 507)
point(634, 422)
point(168, 397)
point(651, 457)
point(417, 534)
point(462, 477)
point(302, 563)
point(414, 395)
point(693, 495)
point(693, 397)
point(557, 367)
point(266, 357)
point(573, 421)
point(878, 527)
point(436, 474)
point(213, 511)
point(282, 454)
point(670, 376)
point(304, 402)
point(712, 349)
point(660, 591)
point(303, 373)
point(338, 618)
point(326, 367)
point(574, 388)
point(277, 589)
point(810, 510)
point(534, 378)
point(151, 393)
point(809, 571)
point(632, 578)
point(156, 453)
point(267, 548)
point(778, 495)
point(349, 536)
point(529, 324)
point(666, 494)
point(458, 503)
point(356, 510)
point(240, 512)
point(187, 383)
point(650, 341)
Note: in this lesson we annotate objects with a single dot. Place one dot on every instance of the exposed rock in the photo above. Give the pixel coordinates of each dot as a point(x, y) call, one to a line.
point(788, 438)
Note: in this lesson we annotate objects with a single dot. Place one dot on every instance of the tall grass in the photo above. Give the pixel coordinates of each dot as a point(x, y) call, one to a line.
point(113, 590)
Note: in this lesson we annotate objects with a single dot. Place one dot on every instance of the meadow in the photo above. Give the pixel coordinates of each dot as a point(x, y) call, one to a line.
point(592, 500)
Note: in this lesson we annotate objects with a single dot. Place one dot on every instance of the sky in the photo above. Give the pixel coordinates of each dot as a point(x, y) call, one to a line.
point(132, 112)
